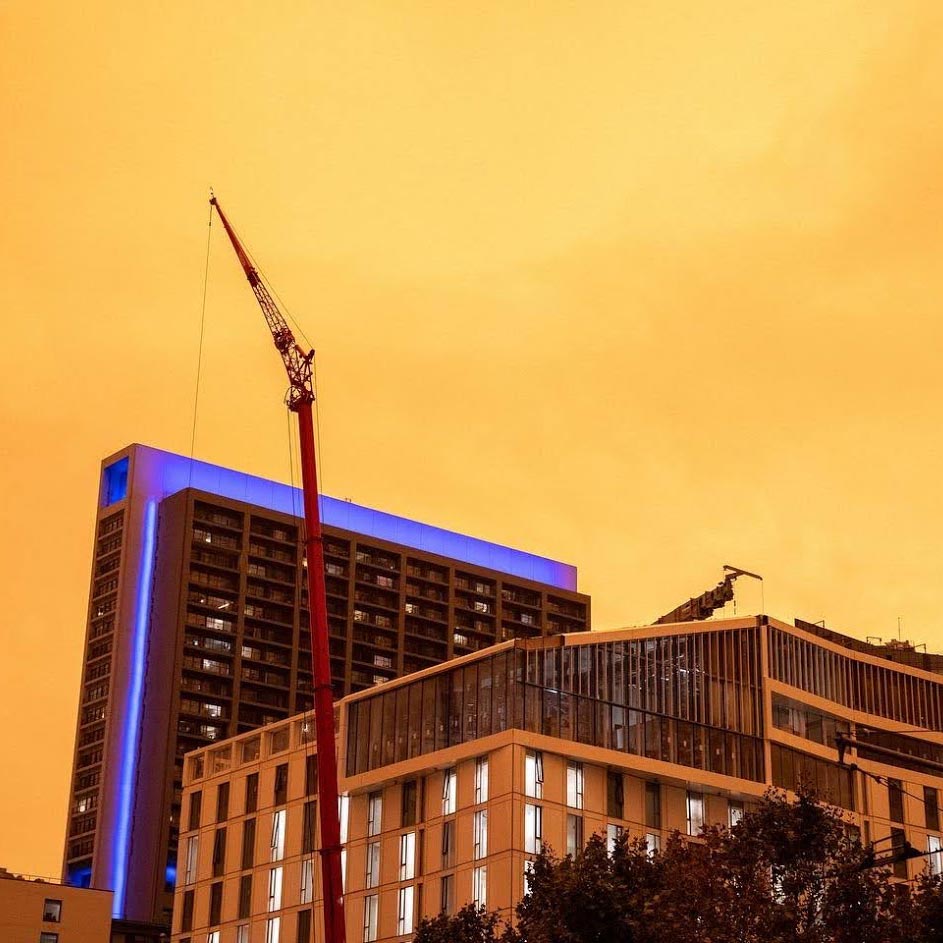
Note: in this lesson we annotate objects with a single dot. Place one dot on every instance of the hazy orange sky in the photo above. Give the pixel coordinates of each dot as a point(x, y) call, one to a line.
point(646, 286)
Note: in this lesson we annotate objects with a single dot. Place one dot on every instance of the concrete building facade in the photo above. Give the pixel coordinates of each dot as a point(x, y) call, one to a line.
point(34, 910)
point(198, 630)
point(455, 777)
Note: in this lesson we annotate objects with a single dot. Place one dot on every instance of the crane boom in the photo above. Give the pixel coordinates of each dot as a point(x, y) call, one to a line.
point(297, 363)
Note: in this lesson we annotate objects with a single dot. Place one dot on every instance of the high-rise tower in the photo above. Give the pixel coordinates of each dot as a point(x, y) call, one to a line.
point(197, 630)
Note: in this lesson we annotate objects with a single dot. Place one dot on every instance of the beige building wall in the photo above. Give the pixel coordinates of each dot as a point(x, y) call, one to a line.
point(44, 912)
point(415, 829)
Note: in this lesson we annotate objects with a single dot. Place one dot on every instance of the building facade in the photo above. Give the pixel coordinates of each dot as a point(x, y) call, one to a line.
point(455, 777)
point(34, 910)
point(198, 630)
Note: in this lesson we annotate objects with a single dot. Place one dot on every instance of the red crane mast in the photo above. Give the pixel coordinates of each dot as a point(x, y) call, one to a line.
point(300, 396)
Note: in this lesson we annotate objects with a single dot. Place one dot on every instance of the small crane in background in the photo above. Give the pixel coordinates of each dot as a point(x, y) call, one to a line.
point(298, 366)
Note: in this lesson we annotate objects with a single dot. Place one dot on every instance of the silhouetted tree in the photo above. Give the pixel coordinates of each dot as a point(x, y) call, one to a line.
point(788, 872)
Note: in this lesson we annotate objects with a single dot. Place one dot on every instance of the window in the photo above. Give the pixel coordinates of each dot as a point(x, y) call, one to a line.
point(481, 834)
point(308, 827)
point(195, 804)
point(372, 877)
point(653, 805)
point(574, 784)
point(281, 784)
point(273, 929)
point(46, 937)
point(370, 910)
point(252, 792)
point(613, 834)
point(274, 889)
point(374, 813)
point(481, 779)
point(278, 835)
point(533, 828)
point(653, 843)
point(935, 854)
point(52, 911)
point(695, 812)
point(245, 896)
point(216, 903)
point(448, 844)
point(615, 795)
point(528, 876)
point(404, 911)
point(407, 856)
point(447, 894)
point(193, 850)
point(242, 933)
point(409, 797)
point(574, 834)
point(898, 840)
point(307, 880)
point(186, 918)
point(931, 808)
point(480, 886)
point(895, 800)
point(449, 784)
point(248, 843)
point(534, 774)
point(219, 852)
point(311, 775)
point(304, 927)
point(734, 812)
point(222, 802)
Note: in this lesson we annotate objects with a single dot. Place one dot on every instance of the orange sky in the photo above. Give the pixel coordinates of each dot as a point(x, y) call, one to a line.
point(650, 287)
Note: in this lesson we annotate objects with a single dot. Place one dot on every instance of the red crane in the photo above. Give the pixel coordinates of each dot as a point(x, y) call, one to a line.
point(300, 397)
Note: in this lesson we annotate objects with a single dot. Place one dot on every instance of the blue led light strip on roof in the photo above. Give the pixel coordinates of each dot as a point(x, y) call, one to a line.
point(132, 714)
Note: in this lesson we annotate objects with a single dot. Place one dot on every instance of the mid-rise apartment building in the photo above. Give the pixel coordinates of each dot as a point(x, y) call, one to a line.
point(37, 910)
point(454, 778)
point(198, 630)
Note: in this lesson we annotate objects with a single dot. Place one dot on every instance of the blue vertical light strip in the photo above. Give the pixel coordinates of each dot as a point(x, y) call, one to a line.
point(132, 714)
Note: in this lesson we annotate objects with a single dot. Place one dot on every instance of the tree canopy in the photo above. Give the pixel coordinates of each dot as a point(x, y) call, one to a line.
point(790, 871)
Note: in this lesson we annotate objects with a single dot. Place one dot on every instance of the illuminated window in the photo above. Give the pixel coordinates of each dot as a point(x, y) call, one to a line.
point(272, 929)
point(533, 828)
point(407, 856)
point(370, 911)
point(372, 877)
point(481, 834)
point(534, 774)
point(52, 911)
point(574, 784)
point(653, 843)
point(695, 812)
point(613, 834)
point(734, 812)
point(404, 913)
point(480, 886)
point(481, 779)
point(449, 784)
point(275, 889)
point(528, 876)
point(374, 813)
point(193, 851)
point(278, 835)
point(307, 880)
point(935, 854)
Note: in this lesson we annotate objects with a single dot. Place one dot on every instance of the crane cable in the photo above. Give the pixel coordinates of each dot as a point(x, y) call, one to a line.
point(199, 358)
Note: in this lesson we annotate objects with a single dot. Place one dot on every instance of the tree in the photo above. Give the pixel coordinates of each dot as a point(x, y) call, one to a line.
point(788, 872)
